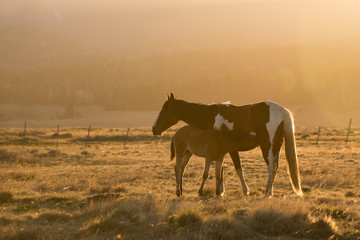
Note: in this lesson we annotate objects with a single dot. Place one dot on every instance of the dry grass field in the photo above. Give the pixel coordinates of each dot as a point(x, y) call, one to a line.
point(106, 191)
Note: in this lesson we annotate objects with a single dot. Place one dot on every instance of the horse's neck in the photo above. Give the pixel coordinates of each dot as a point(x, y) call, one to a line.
point(196, 115)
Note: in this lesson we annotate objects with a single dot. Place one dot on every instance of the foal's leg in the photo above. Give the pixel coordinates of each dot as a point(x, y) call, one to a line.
point(205, 175)
point(179, 160)
point(219, 173)
point(237, 164)
point(185, 161)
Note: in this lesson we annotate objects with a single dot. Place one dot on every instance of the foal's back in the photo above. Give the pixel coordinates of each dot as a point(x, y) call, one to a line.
point(210, 144)
point(194, 140)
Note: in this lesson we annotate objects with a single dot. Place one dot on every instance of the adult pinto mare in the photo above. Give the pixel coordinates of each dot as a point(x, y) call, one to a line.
point(211, 145)
point(269, 122)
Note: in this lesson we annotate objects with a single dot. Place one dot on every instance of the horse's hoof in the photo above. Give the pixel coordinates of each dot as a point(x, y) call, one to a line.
point(221, 195)
point(200, 193)
point(247, 193)
point(268, 196)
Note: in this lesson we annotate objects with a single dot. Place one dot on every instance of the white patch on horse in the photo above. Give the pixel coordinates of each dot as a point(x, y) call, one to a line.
point(156, 120)
point(220, 120)
point(275, 119)
point(253, 133)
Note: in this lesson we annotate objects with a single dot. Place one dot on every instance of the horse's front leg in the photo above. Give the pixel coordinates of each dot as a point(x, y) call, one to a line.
point(205, 175)
point(219, 173)
point(237, 164)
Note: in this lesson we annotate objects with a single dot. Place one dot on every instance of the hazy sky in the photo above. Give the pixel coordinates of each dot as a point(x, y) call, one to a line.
point(141, 25)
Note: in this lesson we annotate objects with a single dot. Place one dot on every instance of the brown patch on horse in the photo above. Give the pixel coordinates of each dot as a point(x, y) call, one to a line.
point(278, 138)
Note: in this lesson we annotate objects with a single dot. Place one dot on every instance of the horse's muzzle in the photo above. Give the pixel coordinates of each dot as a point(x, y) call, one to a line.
point(156, 132)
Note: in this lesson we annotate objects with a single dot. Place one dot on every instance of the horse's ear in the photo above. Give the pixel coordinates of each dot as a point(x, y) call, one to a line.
point(167, 96)
point(171, 96)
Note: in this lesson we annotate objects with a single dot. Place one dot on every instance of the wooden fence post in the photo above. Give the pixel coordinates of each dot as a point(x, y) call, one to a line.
point(317, 140)
point(87, 138)
point(24, 130)
point(57, 138)
point(24, 137)
point(348, 133)
point(127, 135)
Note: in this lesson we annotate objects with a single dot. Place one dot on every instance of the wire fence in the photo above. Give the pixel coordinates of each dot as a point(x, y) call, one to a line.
point(82, 138)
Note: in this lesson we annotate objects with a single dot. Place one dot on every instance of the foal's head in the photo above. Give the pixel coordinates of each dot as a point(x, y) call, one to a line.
point(167, 116)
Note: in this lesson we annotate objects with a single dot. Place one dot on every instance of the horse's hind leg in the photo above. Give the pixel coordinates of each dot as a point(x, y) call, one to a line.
point(205, 175)
point(273, 160)
point(219, 173)
point(237, 164)
point(272, 169)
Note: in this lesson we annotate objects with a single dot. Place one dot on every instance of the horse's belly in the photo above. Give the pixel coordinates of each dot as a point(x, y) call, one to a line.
point(200, 151)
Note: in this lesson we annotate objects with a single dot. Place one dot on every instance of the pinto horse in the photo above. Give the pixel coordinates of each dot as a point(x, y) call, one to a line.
point(210, 145)
point(269, 122)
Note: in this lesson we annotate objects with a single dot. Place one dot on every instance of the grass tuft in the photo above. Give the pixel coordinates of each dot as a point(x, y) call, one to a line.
point(53, 217)
point(335, 213)
point(120, 190)
point(4, 221)
point(323, 228)
point(6, 156)
point(65, 135)
point(185, 218)
point(228, 227)
point(208, 192)
point(273, 222)
point(6, 197)
point(49, 154)
point(130, 216)
point(87, 153)
point(100, 190)
point(99, 197)
point(23, 234)
point(22, 176)
point(292, 221)
point(350, 194)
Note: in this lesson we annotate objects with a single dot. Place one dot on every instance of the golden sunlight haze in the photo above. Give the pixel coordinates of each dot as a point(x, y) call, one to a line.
point(126, 55)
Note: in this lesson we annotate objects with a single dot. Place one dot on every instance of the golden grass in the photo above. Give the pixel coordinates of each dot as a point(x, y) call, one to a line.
point(106, 191)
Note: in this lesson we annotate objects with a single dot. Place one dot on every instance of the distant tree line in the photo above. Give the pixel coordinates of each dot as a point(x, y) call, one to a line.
point(290, 75)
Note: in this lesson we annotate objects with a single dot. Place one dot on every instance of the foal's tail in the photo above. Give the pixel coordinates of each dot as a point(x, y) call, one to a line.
point(172, 150)
point(290, 152)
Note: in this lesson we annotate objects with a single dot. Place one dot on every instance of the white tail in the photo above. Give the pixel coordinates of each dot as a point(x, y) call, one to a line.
point(290, 152)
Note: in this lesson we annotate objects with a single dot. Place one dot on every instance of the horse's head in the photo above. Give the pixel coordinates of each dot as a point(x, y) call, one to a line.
point(167, 116)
